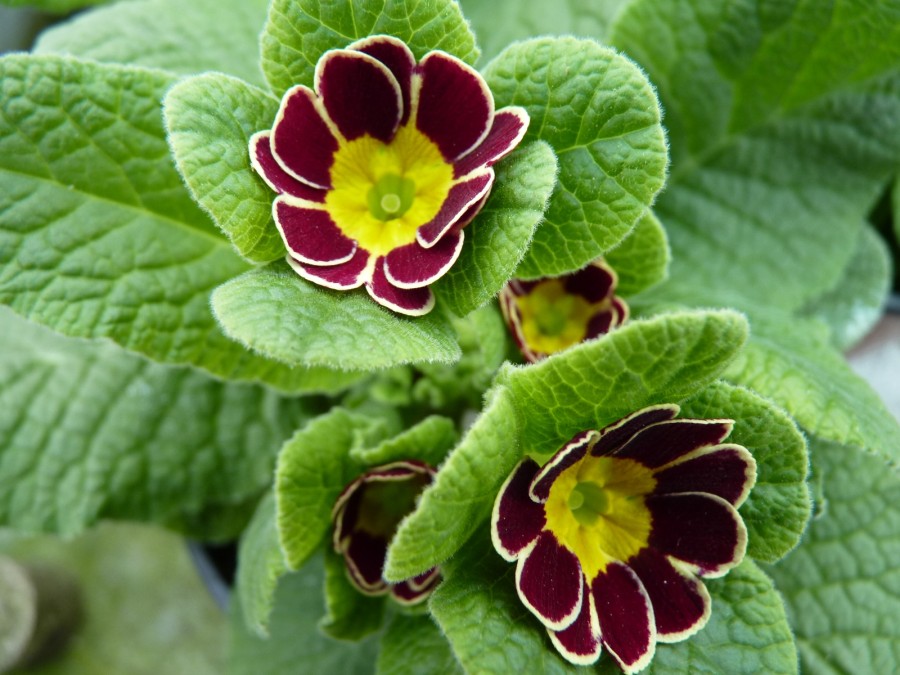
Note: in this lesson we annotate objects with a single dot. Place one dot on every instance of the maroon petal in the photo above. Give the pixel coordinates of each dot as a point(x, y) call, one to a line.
point(302, 141)
point(700, 529)
point(550, 582)
point(600, 324)
point(659, 444)
point(455, 106)
point(410, 301)
point(413, 591)
point(469, 214)
point(571, 453)
point(264, 163)
point(516, 520)
point(345, 513)
point(681, 603)
point(364, 556)
point(620, 307)
point(310, 234)
point(613, 436)
point(728, 471)
point(508, 128)
point(459, 199)
point(412, 266)
point(627, 625)
point(593, 283)
point(513, 318)
point(351, 274)
point(580, 642)
point(360, 94)
point(397, 57)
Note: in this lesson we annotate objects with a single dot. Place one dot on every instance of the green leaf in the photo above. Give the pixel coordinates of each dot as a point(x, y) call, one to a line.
point(784, 125)
point(98, 237)
point(794, 364)
point(428, 441)
point(778, 508)
point(855, 304)
point(842, 585)
point(462, 494)
point(54, 6)
point(664, 359)
point(273, 311)
point(298, 32)
point(642, 260)
point(498, 238)
point(168, 34)
point(350, 615)
point(313, 468)
point(260, 566)
point(90, 432)
point(295, 641)
point(412, 645)
point(500, 22)
point(210, 119)
point(600, 115)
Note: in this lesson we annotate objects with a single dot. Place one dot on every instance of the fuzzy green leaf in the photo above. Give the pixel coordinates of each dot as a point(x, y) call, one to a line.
point(428, 441)
point(461, 496)
point(642, 260)
point(167, 34)
point(842, 585)
point(600, 115)
point(498, 238)
point(129, 439)
point(54, 6)
point(98, 237)
point(778, 508)
point(664, 359)
point(349, 615)
point(412, 645)
point(784, 125)
point(273, 311)
point(298, 32)
point(210, 119)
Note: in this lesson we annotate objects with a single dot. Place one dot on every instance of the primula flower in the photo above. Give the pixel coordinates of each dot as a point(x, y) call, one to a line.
point(381, 166)
point(550, 314)
point(365, 517)
point(612, 533)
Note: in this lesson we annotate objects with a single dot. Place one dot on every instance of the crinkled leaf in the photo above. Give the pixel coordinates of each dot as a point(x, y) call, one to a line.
point(664, 359)
point(778, 508)
point(462, 494)
point(842, 585)
point(98, 237)
point(853, 306)
point(600, 115)
point(55, 6)
point(313, 468)
point(498, 238)
point(428, 441)
point(294, 641)
point(412, 645)
point(349, 615)
point(181, 37)
point(794, 364)
point(89, 432)
point(298, 32)
point(260, 566)
point(210, 119)
point(642, 260)
point(784, 124)
point(273, 311)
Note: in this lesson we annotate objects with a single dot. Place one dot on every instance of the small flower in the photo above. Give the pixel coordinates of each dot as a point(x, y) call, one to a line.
point(550, 314)
point(612, 533)
point(366, 516)
point(381, 167)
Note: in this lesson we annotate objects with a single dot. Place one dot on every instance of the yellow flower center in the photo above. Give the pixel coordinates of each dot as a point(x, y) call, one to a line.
point(596, 510)
point(554, 319)
point(382, 193)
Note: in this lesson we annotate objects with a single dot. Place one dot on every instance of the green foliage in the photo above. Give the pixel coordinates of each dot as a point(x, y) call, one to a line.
point(90, 432)
point(210, 119)
point(842, 586)
point(54, 6)
point(778, 508)
point(428, 441)
point(498, 238)
point(350, 615)
point(600, 115)
point(642, 260)
point(298, 32)
point(275, 312)
point(168, 34)
point(414, 644)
